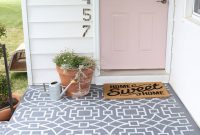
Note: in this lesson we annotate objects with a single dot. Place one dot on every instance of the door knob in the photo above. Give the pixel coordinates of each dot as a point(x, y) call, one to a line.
point(162, 1)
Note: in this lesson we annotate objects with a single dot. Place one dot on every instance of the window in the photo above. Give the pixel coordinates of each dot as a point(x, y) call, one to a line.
point(196, 9)
point(192, 11)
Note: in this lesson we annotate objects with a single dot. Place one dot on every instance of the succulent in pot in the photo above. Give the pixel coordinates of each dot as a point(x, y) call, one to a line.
point(79, 69)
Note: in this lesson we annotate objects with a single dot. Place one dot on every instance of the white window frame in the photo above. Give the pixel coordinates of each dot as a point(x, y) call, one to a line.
point(189, 12)
point(194, 13)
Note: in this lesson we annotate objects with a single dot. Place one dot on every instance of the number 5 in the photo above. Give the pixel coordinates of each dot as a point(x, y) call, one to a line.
point(86, 14)
point(87, 29)
point(88, 2)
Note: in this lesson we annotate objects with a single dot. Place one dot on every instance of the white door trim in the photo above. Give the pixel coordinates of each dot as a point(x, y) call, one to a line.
point(96, 31)
point(27, 41)
point(170, 33)
point(102, 79)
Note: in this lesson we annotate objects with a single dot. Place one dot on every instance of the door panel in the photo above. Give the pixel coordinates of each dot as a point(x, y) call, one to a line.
point(133, 34)
point(120, 32)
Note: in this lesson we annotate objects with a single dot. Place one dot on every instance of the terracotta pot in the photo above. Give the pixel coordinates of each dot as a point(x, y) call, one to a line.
point(67, 76)
point(5, 114)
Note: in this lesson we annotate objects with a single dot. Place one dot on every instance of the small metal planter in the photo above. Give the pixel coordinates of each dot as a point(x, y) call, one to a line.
point(54, 91)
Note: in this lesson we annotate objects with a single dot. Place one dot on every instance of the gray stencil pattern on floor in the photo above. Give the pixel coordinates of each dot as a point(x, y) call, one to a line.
point(93, 115)
point(3, 125)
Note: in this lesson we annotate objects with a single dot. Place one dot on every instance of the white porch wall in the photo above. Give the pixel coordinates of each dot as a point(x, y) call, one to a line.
point(185, 71)
point(51, 26)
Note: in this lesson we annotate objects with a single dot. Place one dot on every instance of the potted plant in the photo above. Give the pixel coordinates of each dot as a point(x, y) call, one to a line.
point(5, 110)
point(76, 69)
point(5, 102)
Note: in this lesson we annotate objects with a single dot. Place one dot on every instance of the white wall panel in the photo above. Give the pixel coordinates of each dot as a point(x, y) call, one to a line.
point(52, 46)
point(43, 62)
point(54, 25)
point(56, 2)
point(56, 13)
point(45, 76)
point(185, 70)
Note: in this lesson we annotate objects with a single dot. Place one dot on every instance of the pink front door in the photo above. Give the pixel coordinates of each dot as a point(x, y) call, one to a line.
point(133, 34)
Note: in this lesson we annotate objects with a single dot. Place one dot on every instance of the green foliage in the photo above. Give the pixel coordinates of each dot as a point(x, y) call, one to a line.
point(69, 60)
point(3, 81)
point(3, 88)
point(1, 53)
point(19, 82)
point(2, 33)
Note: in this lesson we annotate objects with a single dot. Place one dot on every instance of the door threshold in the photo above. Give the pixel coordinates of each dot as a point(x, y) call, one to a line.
point(132, 72)
point(141, 76)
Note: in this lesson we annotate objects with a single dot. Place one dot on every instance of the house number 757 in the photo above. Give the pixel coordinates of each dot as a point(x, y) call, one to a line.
point(86, 17)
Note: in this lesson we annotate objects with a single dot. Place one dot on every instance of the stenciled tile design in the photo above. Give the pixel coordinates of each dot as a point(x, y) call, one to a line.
point(3, 125)
point(93, 115)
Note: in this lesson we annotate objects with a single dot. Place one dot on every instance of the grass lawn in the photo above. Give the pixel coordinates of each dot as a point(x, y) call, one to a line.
point(10, 16)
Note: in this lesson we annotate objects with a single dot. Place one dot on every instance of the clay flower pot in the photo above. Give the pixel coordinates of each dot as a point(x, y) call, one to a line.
point(77, 89)
point(5, 114)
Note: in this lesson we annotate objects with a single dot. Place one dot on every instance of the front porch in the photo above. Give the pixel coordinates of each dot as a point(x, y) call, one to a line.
point(93, 115)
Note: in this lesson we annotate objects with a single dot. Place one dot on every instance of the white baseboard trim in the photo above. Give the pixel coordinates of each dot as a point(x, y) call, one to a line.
point(100, 80)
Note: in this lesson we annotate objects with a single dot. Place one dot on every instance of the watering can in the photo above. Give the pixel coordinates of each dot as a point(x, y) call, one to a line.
point(55, 90)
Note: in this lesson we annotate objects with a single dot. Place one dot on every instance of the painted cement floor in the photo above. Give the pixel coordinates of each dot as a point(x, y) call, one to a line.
point(92, 115)
point(3, 126)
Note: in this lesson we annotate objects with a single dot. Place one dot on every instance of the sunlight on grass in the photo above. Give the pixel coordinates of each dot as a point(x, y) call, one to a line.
point(19, 82)
point(10, 13)
point(13, 39)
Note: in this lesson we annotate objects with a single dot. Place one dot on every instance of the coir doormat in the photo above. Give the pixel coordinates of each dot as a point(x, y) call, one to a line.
point(135, 90)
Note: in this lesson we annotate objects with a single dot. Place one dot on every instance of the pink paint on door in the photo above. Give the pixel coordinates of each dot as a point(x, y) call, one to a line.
point(133, 34)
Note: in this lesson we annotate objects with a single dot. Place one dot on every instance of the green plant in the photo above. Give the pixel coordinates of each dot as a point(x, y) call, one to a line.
point(70, 60)
point(2, 33)
point(3, 81)
point(3, 88)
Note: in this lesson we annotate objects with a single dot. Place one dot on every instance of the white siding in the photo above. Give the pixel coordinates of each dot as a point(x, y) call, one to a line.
point(57, 30)
point(56, 45)
point(56, 2)
point(58, 14)
point(53, 26)
point(185, 70)
point(44, 76)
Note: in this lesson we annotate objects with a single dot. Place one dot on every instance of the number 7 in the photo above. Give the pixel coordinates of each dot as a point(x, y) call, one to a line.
point(87, 29)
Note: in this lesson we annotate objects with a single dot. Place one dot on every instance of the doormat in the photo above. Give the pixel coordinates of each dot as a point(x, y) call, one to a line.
point(135, 90)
